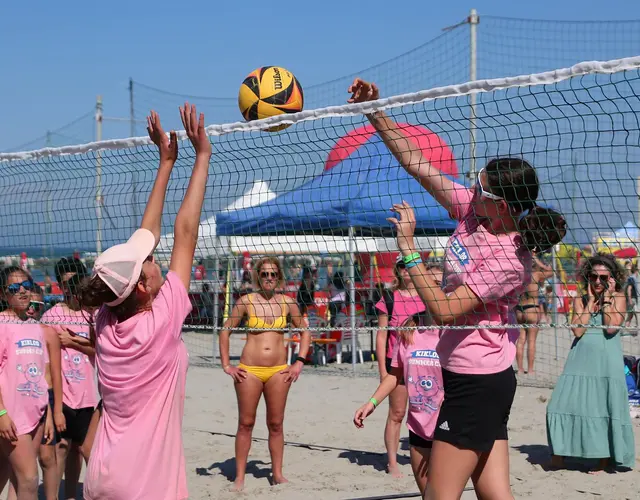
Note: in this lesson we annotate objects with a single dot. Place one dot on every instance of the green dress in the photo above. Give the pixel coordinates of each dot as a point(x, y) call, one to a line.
point(588, 415)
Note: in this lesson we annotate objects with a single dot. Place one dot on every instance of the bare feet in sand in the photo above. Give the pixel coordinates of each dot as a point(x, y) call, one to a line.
point(280, 479)
point(238, 485)
point(394, 471)
point(603, 465)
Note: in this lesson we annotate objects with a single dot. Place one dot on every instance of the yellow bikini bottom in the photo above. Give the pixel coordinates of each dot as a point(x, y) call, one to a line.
point(264, 373)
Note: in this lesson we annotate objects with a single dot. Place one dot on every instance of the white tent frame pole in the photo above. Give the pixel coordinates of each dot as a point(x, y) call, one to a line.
point(352, 295)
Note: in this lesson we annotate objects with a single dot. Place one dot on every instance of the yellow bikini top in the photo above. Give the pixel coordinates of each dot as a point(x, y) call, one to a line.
point(255, 322)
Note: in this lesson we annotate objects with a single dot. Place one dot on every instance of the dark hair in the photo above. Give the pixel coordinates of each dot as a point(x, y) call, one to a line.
point(618, 272)
point(338, 280)
point(516, 181)
point(70, 265)
point(5, 272)
point(94, 293)
point(37, 289)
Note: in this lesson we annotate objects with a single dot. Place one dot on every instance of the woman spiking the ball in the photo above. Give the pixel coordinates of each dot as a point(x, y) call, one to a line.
point(487, 267)
point(141, 357)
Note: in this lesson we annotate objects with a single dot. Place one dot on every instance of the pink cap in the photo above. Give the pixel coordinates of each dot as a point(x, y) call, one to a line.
point(121, 265)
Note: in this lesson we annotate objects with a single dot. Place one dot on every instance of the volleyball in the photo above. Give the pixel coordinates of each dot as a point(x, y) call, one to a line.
point(270, 91)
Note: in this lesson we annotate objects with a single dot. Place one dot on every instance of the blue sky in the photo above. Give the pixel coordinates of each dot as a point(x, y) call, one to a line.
point(57, 56)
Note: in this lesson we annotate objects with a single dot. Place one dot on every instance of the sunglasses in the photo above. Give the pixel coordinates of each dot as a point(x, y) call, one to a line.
point(401, 265)
point(602, 278)
point(14, 288)
point(266, 274)
point(36, 305)
point(483, 192)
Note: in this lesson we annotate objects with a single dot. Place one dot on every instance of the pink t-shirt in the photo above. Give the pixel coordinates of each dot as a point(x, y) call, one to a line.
point(23, 359)
point(142, 370)
point(420, 366)
point(497, 268)
point(78, 370)
point(404, 306)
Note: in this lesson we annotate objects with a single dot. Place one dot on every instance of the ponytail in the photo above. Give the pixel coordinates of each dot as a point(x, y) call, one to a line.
point(542, 229)
point(94, 293)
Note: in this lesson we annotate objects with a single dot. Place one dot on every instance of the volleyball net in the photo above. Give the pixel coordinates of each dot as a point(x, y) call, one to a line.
point(317, 194)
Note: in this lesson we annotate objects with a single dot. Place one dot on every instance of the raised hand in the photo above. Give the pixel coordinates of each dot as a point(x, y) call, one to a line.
point(168, 146)
point(405, 225)
point(194, 127)
point(362, 91)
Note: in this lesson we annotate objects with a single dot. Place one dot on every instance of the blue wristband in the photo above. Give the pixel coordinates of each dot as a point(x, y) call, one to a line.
point(413, 263)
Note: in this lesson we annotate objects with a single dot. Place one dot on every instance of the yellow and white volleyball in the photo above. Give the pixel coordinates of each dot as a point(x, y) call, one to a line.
point(270, 91)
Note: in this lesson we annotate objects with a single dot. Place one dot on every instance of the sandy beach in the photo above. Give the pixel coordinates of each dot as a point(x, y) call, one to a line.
point(326, 457)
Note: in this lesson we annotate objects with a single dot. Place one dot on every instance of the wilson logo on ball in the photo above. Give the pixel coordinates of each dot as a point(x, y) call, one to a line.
point(270, 91)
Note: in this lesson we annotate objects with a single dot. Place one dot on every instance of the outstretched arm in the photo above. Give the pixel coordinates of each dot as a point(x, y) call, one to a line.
point(444, 309)
point(406, 152)
point(168, 147)
point(188, 218)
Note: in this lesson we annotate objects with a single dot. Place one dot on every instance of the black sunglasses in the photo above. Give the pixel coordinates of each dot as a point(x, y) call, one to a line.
point(401, 265)
point(603, 278)
point(266, 274)
point(14, 288)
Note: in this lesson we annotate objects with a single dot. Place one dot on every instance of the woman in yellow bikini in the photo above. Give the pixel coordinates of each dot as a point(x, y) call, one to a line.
point(263, 365)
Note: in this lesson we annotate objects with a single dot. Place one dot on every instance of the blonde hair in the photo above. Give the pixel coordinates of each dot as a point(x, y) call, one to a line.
point(398, 282)
point(258, 268)
point(406, 331)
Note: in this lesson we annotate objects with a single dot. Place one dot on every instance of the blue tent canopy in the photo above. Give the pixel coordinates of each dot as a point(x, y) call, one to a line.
point(357, 193)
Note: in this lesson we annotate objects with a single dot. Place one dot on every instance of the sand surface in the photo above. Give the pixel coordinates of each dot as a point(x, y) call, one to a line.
point(326, 457)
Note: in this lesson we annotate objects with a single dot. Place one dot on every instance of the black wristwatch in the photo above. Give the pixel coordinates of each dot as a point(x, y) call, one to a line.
point(301, 359)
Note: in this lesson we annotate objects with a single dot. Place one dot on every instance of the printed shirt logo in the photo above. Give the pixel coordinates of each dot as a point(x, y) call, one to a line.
point(33, 374)
point(426, 353)
point(29, 343)
point(459, 250)
point(74, 370)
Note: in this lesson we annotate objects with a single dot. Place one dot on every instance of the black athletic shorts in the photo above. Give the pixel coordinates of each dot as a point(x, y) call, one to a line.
point(418, 441)
point(475, 410)
point(77, 423)
point(387, 364)
point(56, 434)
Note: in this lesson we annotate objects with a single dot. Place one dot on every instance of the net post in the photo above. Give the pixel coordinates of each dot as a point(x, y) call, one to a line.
point(637, 218)
point(554, 309)
point(216, 305)
point(99, 117)
point(352, 296)
point(134, 172)
point(473, 20)
point(47, 242)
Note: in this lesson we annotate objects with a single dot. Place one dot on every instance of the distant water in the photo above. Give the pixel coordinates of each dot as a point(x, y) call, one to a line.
point(38, 271)
point(39, 252)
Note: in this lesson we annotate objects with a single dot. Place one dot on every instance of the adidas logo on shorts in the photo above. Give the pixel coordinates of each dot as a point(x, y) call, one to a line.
point(444, 426)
